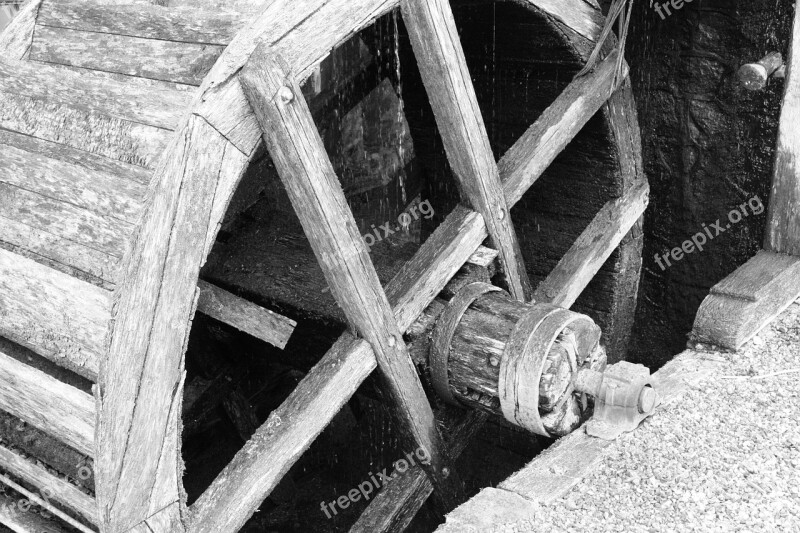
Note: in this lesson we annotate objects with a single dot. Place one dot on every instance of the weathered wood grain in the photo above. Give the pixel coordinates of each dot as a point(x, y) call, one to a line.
point(76, 260)
point(179, 24)
point(319, 202)
point(783, 218)
point(35, 499)
point(153, 312)
point(743, 303)
point(20, 522)
point(53, 314)
point(85, 90)
point(288, 432)
point(85, 130)
point(595, 245)
point(49, 485)
point(111, 196)
point(64, 220)
point(15, 39)
point(441, 61)
point(48, 404)
point(243, 315)
point(530, 156)
point(133, 56)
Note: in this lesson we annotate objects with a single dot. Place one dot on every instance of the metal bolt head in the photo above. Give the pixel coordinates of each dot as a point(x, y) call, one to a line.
point(647, 400)
point(501, 214)
point(445, 472)
point(494, 360)
point(392, 341)
point(286, 95)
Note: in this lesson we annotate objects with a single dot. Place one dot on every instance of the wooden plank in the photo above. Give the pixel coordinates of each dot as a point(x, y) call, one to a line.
point(747, 300)
point(129, 100)
point(15, 39)
point(24, 522)
point(49, 485)
point(78, 261)
point(180, 24)
point(53, 314)
point(483, 257)
point(533, 153)
point(594, 246)
point(112, 196)
point(783, 218)
point(129, 142)
point(441, 61)
point(133, 56)
point(313, 187)
point(239, 490)
point(578, 15)
point(141, 381)
point(244, 315)
point(30, 499)
point(48, 404)
point(559, 468)
point(101, 233)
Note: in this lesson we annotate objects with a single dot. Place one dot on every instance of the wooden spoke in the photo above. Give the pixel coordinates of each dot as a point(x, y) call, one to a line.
point(315, 192)
point(258, 467)
point(443, 66)
point(580, 264)
point(530, 156)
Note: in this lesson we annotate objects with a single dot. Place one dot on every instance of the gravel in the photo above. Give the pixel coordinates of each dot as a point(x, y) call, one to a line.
point(724, 457)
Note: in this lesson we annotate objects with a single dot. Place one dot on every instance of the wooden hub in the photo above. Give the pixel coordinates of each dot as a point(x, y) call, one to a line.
point(514, 360)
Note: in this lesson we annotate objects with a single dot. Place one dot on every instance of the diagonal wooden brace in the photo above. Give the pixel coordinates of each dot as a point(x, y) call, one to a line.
point(313, 187)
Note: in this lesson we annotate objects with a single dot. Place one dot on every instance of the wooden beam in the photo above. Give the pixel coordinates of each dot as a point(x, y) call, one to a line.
point(21, 522)
point(34, 499)
point(538, 147)
point(258, 468)
point(313, 187)
point(244, 315)
point(48, 404)
point(49, 485)
point(783, 219)
point(15, 39)
point(444, 71)
point(53, 314)
point(141, 382)
point(592, 248)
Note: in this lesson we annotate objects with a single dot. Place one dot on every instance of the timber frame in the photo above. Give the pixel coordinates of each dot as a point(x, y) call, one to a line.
point(745, 302)
point(250, 93)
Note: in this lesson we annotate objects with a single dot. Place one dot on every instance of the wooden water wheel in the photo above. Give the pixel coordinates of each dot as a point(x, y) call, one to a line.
point(125, 131)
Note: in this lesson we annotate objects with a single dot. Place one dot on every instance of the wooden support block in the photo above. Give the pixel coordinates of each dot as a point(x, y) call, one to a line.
point(49, 485)
point(783, 219)
point(48, 404)
point(441, 61)
point(313, 187)
point(243, 315)
point(747, 300)
point(258, 468)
